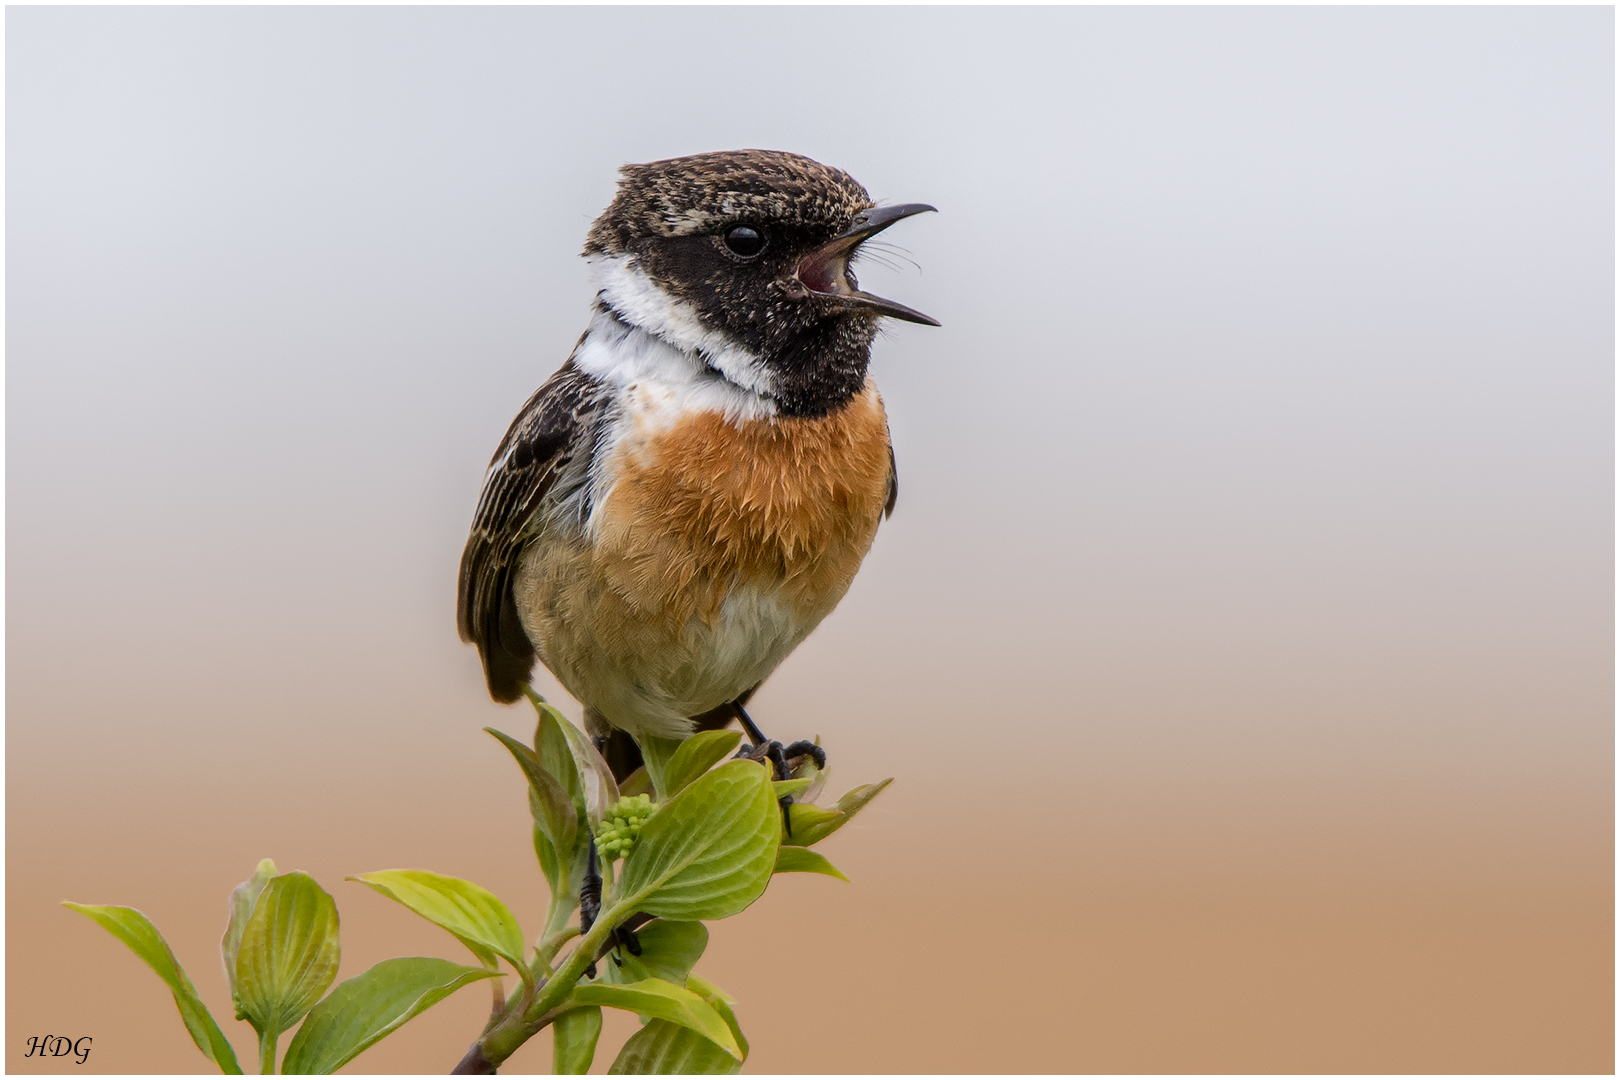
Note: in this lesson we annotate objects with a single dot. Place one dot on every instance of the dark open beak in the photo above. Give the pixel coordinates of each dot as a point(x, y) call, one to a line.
point(825, 270)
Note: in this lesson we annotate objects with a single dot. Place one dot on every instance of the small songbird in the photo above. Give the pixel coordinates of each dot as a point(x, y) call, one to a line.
point(687, 497)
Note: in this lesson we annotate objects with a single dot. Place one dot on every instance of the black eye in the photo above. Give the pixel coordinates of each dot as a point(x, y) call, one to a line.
point(745, 241)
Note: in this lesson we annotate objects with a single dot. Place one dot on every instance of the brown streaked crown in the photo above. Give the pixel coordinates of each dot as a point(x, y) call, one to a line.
point(690, 195)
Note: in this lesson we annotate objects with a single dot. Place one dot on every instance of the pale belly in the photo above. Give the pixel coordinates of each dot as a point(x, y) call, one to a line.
point(713, 551)
point(642, 669)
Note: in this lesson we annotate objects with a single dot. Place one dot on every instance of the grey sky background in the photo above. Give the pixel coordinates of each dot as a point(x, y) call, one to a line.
point(1258, 484)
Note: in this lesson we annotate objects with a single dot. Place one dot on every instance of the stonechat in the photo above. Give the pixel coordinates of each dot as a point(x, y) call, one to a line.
point(687, 497)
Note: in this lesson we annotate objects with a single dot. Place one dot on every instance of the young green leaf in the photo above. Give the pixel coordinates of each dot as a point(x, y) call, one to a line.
point(364, 1009)
point(663, 1001)
point(553, 808)
point(596, 778)
point(669, 949)
point(665, 1049)
point(550, 866)
point(137, 932)
point(471, 912)
point(851, 804)
point(573, 1040)
point(243, 897)
point(780, 788)
point(657, 753)
point(806, 819)
point(551, 747)
point(637, 783)
point(708, 852)
point(696, 756)
point(288, 955)
point(721, 1003)
point(807, 770)
point(798, 860)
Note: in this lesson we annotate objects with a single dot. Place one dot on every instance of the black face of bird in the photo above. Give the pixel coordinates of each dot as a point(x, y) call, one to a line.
point(757, 245)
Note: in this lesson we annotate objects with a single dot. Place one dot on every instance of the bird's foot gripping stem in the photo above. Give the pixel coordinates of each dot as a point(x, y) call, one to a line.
point(590, 897)
point(763, 749)
point(590, 907)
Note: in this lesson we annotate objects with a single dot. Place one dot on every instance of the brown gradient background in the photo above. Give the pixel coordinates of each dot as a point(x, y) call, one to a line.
point(1242, 642)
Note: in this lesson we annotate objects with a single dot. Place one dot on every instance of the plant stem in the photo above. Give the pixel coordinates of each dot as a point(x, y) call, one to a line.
point(555, 933)
point(498, 1006)
point(607, 882)
point(512, 1032)
point(267, 1053)
point(547, 950)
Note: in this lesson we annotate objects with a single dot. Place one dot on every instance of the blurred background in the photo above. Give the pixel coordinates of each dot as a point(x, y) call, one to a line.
point(1241, 646)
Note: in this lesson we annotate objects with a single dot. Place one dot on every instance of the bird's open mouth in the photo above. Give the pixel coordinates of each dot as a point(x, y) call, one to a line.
point(825, 271)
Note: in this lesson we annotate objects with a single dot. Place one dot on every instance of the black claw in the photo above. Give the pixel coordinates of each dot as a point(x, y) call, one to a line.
point(627, 939)
point(778, 760)
point(805, 747)
point(763, 749)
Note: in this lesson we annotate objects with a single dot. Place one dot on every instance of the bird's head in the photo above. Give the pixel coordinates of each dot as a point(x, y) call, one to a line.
point(744, 258)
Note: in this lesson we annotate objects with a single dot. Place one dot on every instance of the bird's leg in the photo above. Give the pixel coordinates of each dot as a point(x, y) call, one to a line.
point(763, 749)
point(755, 736)
point(590, 887)
point(590, 906)
point(590, 897)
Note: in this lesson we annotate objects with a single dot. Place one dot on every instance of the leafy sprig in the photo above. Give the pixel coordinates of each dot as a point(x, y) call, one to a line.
point(692, 838)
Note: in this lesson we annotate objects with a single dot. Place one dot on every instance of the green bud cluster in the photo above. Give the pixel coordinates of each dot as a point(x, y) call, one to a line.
point(621, 825)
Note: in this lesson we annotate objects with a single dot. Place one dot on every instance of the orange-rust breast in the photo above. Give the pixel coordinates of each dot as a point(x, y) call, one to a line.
point(787, 505)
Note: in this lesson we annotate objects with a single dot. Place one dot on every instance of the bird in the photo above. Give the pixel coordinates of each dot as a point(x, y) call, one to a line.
point(682, 502)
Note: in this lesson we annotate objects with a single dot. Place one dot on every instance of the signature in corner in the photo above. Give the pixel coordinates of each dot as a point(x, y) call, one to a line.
point(59, 1046)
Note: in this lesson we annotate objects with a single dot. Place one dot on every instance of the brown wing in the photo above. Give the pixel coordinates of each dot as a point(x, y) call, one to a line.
point(555, 428)
point(894, 483)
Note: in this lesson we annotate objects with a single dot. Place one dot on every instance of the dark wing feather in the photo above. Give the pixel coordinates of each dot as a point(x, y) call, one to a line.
point(553, 429)
point(894, 483)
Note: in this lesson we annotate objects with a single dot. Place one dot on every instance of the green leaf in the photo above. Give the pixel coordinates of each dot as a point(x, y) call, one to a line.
point(807, 770)
point(721, 1003)
point(243, 897)
point(596, 778)
point(798, 860)
point(573, 1040)
point(550, 866)
point(289, 953)
point(696, 756)
point(365, 1009)
point(669, 949)
point(665, 1049)
point(806, 819)
point(553, 808)
point(471, 912)
point(137, 932)
point(780, 788)
point(637, 783)
point(851, 804)
point(708, 852)
point(552, 748)
point(663, 1001)
point(657, 753)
